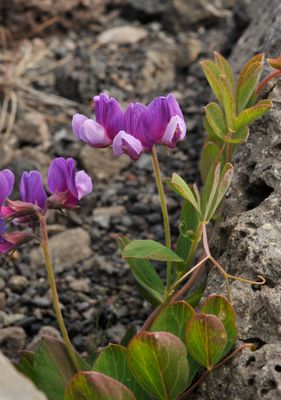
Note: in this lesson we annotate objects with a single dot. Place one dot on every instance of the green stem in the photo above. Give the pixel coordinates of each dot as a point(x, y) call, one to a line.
point(160, 189)
point(54, 293)
point(194, 245)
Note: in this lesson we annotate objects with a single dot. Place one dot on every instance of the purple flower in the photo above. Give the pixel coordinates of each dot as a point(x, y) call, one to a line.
point(109, 121)
point(32, 190)
point(163, 121)
point(67, 185)
point(132, 139)
point(136, 130)
point(160, 122)
point(7, 181)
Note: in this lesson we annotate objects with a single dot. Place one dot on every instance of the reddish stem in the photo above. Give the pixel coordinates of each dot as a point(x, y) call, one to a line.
point(273, 74)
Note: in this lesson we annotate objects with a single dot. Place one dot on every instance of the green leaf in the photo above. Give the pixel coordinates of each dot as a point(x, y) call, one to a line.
point(194, 298)
point(174, 319)
point(229, 103)
point(131, 331)
point(210, 154)
point(91, 385)
point(248, 80)
point(239, 136)
point(216, 119)
point(149, 249)
point(224, 67)
point(148, 281)
point(182, 188)
point(158, 362)
point(210, 132)
point(222, 308)
point(112, 361)
point(206, 339)
point(53, 368)
point(224, 182)
point(212, 74)
point(189, 222)
point(25, 365)
point(249, 115)
point(210, 190)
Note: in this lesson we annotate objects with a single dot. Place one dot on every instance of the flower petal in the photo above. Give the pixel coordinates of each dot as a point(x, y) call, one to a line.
point(83, 184)
point(7, 180)
point(173, 105)
point(57, 175)
point(109, 114)
point(158, 116)
point(94, 134)
point(175, 132)
point(32, 190)
point(127, 144)
point(5, 247)
point(77, 122)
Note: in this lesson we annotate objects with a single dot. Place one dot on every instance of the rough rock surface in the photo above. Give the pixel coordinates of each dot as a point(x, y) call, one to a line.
point(14, 386)
point(248, 242)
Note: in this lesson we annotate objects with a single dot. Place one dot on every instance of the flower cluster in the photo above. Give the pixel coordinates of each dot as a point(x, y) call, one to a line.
point(134, 131)
point(66, 187)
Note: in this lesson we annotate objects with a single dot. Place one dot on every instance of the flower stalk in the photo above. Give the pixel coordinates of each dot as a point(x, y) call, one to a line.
point(54, 292)
point(164, 209)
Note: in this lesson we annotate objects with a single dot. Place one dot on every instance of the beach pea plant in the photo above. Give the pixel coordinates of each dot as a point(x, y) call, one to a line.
point(184, 339)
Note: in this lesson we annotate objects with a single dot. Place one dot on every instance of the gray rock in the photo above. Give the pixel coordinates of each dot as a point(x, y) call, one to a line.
point(249, 376)
point(81, 285)
point(188, 51)
point(44, 331)
point(14, 385)
point(126, 34)
point(18, 283)
point(182, 14)
point(2, 283)
point(249, 238)
point(100, 165)
point(12, 339)
point(2, 301)
point(67, 249)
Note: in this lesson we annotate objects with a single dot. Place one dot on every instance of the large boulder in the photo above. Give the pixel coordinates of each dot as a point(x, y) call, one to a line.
point(13, 385)
point(248, 242)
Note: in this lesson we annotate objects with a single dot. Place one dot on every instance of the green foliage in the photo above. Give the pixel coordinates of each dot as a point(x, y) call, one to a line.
point(148, 281)
point(227, 123)
point(151, 250)
point(219, 306)
point(182, 188)
point(96, 386)
point(50, 360)
point(189, 223)
point(158, 362)
point(174, 319)
point(112, 361)
point(206, 339)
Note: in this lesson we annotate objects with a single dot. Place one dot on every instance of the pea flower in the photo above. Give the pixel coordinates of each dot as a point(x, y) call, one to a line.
point(136, 130)
point(32, 190)
point(8, 241)
point(7, 180)
point(67, 185)
point(33, 199)
point(109, 121)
